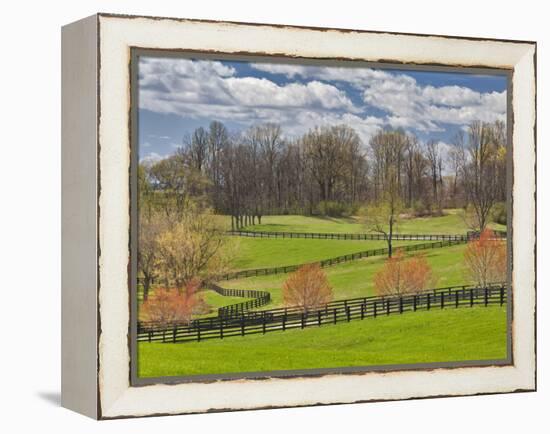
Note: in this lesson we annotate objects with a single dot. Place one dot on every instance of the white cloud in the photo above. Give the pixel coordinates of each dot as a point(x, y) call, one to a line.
point(213, 90)
point(184, 86)
point(423, 108)
point(408, 104)
point(301, 121)
point(151, 157)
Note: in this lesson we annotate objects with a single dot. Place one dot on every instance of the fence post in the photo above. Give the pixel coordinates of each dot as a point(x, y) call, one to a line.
point(387, 307)
point(428, 302)
point(348, 313)
point(400, 304)
point(164, 335)
point(471, 297)
point(456, 299)
point(363, 311)
point(375, 306)
point(414, 303)
point(319, 317)
point(303, 324)
point(442, 300)
point(334, 312)
point(198, 333)
point(501, 295)
point(150, 335)
point(263, 324)
point(486, 296)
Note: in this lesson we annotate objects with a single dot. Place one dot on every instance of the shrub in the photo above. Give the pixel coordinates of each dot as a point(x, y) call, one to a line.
point(169, 305)
point(499, 213)
point(486, 259)
point(400, 275)
point(332, 208)
point(307, 287)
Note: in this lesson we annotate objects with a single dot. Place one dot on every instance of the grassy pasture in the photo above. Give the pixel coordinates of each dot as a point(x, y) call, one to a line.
point(274, 252)
point(450, 223)
point(449, 335)
point(355, 279)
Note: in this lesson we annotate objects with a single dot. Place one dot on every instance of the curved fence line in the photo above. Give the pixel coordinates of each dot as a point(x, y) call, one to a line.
point(338, 259)
point(361, 236)
point(361, 308)
point(259, 298)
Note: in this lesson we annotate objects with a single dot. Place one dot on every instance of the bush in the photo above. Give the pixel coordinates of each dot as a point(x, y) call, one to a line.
point(486, 259)
point(421, 209)
point(308, 287)
point(401, 275)
point(499, 214)
point(332, 208)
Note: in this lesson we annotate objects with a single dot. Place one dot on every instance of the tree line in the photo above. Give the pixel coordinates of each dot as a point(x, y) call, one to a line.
point(329, 171)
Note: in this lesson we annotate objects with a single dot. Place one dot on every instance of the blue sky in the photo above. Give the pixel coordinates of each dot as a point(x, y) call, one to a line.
point(177, 95)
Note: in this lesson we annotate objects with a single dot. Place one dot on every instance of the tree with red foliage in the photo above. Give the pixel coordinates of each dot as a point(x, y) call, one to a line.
point(168, 306)
point(307, 287)
point(401, 275)
point(485, 258)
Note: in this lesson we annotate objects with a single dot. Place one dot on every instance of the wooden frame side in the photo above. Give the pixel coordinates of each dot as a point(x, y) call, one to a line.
point(79, 391)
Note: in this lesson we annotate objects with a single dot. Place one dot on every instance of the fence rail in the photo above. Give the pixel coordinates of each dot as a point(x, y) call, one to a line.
point(361, 236)
point(338, 259)
point(259, 298)
point(361, 308)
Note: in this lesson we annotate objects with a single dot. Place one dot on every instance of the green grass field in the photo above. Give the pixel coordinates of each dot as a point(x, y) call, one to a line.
point(450, 223)
point(355, 279)
point(422, 337)
point(274, 252)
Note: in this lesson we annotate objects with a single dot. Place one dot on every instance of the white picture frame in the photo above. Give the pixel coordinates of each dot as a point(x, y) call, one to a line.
point(96, 131)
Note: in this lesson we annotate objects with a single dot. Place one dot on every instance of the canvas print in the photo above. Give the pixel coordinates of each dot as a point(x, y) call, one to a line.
point(297, 217)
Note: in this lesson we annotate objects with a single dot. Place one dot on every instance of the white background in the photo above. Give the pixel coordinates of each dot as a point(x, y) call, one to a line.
point(30, 217)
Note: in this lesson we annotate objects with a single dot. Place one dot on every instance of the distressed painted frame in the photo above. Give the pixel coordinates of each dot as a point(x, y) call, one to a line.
point(96, 218)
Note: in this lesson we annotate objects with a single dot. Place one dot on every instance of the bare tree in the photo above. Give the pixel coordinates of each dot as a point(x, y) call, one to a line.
point(382, 216)
point(479, 172)
point(198, 149)
point(150, 228)
point(456, 156)
point(433, 155)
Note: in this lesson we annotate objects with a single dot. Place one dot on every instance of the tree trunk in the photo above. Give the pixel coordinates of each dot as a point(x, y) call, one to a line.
point(390, 237)
point(146, 286)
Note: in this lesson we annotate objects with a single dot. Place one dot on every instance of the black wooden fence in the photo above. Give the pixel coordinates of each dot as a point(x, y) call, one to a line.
point(336, 236)
point(361, 236)
point(339, 259)
point(282, 319)
point(259, 298)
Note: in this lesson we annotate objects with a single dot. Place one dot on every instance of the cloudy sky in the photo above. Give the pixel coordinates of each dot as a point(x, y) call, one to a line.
point(177, 95)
